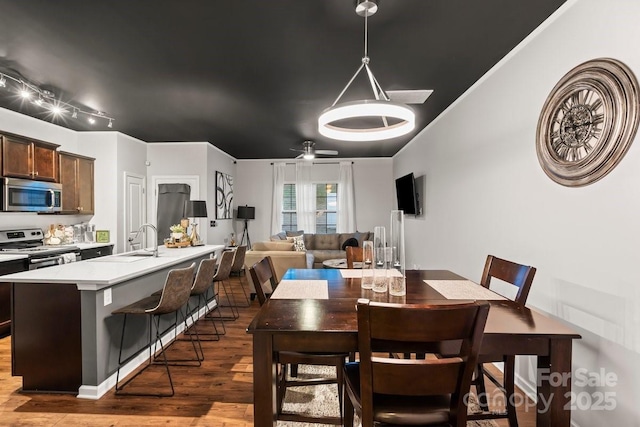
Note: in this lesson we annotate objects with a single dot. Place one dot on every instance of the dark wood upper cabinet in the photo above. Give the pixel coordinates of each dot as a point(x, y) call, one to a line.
point(76, 177)
point(29, 159)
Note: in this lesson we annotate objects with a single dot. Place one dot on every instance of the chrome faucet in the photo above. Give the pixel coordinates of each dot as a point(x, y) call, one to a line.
point(155, 240)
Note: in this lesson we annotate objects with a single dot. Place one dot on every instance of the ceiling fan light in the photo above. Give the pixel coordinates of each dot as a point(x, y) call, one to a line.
point(367, 108)
point(308, 156)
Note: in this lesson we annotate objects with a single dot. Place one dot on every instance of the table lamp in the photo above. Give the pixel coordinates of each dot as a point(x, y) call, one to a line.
point(195, 209)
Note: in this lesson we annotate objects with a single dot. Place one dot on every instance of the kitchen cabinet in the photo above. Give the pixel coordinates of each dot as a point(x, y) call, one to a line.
point(29, 159)
point(96, 252)
point(8, 267)
point(76, 177)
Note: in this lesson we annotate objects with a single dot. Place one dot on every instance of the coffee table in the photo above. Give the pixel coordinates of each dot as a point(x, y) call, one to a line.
point(339, 263)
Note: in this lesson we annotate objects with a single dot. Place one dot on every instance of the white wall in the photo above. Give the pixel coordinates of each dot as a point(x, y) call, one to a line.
point(486, 194)
point(373, 183)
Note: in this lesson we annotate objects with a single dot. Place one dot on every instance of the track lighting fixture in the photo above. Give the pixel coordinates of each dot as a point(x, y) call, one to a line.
point(46, 99)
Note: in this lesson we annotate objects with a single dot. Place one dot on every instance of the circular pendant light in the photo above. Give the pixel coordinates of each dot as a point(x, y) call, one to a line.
point(395, 119)
point(384, 110)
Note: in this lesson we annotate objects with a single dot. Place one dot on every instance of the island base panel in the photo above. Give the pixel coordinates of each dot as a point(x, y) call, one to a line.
point(46, 337)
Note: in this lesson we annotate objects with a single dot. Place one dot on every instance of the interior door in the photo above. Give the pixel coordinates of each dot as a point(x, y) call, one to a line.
point(135, 209)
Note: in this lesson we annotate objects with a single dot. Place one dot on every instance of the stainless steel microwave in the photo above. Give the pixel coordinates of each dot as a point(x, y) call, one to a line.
point(23, 195)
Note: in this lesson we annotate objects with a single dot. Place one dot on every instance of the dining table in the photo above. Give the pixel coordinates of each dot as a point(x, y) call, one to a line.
point(315, 311)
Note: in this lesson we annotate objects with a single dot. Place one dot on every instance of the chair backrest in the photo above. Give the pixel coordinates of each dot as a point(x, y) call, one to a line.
point(261, 272)
point(238, 260)
point(518, 275)
point(354, 254)
point(204, 276)
point(385, 329)
point(176, 290)
point(224, 267)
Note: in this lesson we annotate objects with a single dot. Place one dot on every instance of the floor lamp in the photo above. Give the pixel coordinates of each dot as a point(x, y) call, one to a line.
point(246, 213)
point(195, 209)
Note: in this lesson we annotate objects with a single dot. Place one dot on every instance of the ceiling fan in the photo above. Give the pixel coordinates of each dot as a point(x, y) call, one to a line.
point(309, 152)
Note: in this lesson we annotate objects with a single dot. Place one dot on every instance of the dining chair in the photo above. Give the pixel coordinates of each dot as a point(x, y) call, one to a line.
point(354, 254)
point(520, 276)
point(262, 272)
point(429, 392)
point(174, 296)
point(238, 269)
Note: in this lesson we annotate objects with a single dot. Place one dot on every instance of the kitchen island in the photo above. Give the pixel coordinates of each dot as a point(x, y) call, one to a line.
point(63, 336)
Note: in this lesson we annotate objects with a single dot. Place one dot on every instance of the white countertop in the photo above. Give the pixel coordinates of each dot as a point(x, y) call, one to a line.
point(90, 245)
point(98, 273)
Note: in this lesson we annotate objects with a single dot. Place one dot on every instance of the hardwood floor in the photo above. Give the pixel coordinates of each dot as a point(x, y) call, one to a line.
point(218, 393)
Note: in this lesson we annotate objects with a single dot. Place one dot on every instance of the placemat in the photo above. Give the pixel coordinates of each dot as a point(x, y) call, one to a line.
point(463, 289)
point(301, 289)
point(357, 273)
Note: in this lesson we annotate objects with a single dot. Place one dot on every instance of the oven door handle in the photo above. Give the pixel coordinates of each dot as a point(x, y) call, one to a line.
point(51, 258)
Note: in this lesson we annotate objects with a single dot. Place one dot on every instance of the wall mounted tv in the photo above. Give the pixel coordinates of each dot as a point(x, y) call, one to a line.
point(407, 195)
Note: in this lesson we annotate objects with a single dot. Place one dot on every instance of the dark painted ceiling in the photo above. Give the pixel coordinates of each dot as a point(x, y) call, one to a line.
point(250, 76)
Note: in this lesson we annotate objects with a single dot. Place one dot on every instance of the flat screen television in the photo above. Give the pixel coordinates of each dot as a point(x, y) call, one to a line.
point(406, 194)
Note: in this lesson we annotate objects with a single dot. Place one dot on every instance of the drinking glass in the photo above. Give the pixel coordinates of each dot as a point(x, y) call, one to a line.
point(381, 260)
point(367, 264)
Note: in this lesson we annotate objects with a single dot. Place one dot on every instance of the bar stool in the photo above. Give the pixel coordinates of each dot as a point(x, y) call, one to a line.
point(221, 278)
point(201, 286)
point(174, 296)
point(238, 269)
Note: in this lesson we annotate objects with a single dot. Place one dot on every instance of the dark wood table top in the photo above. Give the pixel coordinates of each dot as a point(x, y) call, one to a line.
point(338, 314)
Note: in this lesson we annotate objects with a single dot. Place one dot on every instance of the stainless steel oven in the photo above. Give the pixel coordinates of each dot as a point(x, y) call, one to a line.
point(23, 195)
point(29, 241)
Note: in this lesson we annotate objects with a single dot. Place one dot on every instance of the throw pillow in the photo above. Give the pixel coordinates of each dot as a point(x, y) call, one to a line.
point(359, 237)
point(295, 233)
point(350, 242)
point(298, 244)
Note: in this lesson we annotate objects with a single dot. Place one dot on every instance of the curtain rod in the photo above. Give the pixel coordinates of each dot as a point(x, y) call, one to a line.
point(315, 163)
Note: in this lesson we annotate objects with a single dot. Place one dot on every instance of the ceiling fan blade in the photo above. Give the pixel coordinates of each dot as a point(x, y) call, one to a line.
point(299, 156)
point(327, 152)
point(417, 96)
point(296, 150)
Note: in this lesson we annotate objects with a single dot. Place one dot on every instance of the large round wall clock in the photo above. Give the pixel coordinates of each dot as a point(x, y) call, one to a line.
point(588, 122)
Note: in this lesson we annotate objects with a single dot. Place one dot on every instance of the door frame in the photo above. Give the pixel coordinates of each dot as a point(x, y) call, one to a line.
point(125, 234)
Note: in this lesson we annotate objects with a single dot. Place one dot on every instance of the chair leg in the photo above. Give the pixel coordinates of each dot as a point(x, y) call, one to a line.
point(509, 389)
point(120, 388)
point(481, 390)
point(242, 286)
point(340, 382)
point(174, 362)
point(213, 336)
point(234, 309)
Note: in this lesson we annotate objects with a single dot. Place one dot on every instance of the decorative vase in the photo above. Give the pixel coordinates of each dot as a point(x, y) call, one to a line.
point(397, 285)
point(380, 264)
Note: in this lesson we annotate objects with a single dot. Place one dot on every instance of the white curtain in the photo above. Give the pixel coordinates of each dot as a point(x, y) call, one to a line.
point(305, 198)
point(278, 191)
point(346, 200)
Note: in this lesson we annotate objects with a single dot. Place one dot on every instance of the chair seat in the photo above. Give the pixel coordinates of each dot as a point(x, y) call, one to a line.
point(405, 410)
point(140, 306)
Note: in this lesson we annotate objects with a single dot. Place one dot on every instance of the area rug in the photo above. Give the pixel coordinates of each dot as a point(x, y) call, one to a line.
point(322, 400)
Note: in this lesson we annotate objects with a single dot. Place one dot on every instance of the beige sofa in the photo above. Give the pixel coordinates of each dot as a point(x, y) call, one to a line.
point(282, 255)
point(325, 246)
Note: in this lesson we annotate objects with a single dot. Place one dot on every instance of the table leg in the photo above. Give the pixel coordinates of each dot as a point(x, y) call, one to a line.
point(264, 381)
point(554, 385)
